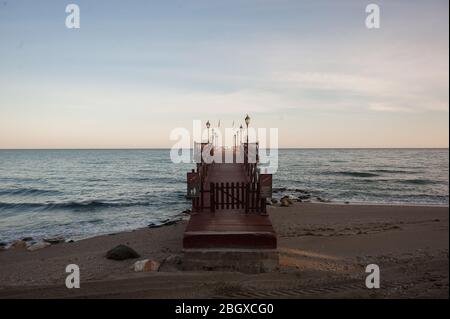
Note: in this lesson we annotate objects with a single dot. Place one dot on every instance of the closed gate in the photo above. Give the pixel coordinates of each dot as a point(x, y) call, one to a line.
point(246, 196)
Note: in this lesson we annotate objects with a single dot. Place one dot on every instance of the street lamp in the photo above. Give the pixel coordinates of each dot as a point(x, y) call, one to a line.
point(247, 122)
point(208, 125)
point(240, 129)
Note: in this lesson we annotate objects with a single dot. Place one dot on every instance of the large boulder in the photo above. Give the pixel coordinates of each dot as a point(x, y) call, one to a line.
point(122, 252)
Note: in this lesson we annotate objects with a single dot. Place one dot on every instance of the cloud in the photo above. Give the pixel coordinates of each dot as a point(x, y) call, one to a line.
point(383, 107)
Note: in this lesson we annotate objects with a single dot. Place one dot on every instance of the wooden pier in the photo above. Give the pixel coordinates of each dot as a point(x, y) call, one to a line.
point(229, 228)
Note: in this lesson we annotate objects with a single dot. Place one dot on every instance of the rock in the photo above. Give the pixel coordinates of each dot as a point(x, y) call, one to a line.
point(165, 222)
point(274, 201)
point(170, 222)
point(19, 244)
point(172, 263)
point(186, 212)
point(173, 259)
point(279, 190)
point(3, 246)
point(54, 240)
point(285, 202)
point(122, 252)
point(38, 246)
point(154, 225)
point(27, 239)
point(146, 265)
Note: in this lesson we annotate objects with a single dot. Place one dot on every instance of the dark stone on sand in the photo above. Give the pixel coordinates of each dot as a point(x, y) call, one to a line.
point(322, 200)
point(122, 252)
point(153, 225)
point(165, 222)
point(54, 240)
point(286, 201)
point(274, 201)
point(173, 259)
point(27, 239)
point(170, 222)
point(19, 244)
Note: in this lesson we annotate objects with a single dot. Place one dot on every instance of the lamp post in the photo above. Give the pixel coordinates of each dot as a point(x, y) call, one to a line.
point(240, 129)
point(208, 125)
point(247, 122)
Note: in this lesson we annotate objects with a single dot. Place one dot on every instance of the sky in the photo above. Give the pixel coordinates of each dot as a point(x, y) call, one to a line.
point(135, 70)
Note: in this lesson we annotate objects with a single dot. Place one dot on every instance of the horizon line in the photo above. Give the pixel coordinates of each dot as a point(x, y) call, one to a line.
point(168, 148)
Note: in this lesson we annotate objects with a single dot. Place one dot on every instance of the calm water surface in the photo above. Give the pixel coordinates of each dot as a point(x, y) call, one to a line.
point(81, 193)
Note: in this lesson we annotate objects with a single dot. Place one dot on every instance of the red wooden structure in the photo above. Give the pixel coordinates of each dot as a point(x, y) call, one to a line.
point(229, 209)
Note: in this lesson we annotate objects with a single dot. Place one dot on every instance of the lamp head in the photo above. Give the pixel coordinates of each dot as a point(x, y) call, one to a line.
point(247, 120)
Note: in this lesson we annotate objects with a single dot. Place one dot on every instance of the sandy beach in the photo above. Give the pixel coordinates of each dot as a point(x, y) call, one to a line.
point(324, 250)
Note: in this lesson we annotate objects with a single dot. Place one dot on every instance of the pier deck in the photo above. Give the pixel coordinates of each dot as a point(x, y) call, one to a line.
point(229, 227)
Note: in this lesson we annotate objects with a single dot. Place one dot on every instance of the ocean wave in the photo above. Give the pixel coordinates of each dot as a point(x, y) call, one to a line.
point(357, 174)
point(82, 205)
point(417, 181)
point(393, 171)
point(156, 179)
point(28, 191)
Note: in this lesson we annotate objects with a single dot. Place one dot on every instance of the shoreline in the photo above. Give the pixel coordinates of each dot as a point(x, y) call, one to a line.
point(319, 245)
point(381, 204)
point(184, 214)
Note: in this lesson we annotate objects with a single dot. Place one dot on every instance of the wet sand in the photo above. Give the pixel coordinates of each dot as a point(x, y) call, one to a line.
point(324, 250)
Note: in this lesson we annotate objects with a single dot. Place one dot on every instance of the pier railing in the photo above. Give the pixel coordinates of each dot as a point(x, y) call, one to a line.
point(245, 196)
point(215, 196)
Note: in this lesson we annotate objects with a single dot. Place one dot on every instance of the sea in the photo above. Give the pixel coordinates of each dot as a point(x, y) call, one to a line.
point(83, 193)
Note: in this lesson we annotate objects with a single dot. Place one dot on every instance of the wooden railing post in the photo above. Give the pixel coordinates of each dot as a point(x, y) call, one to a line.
point(212, 198)
point(232, 195)
point(222, 199)
point(247, 198)
point(258, 198)
point(263, 206)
